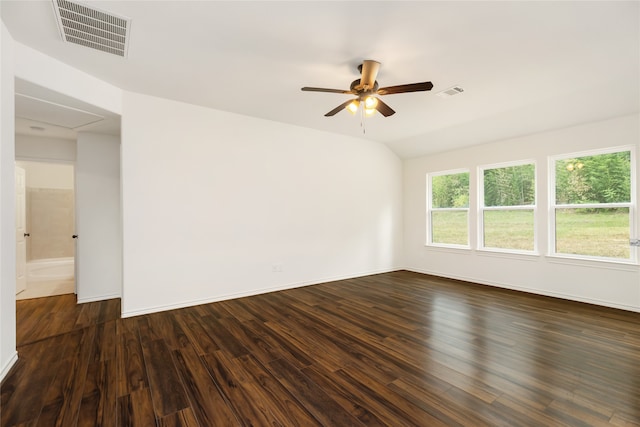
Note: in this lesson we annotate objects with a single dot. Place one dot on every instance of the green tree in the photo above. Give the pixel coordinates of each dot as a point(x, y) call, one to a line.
point(510, 186)
point(450, 191)
point(603, 178)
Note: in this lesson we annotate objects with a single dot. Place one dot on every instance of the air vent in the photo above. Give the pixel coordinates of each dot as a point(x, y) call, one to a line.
point(92, 28)
point(455, 90)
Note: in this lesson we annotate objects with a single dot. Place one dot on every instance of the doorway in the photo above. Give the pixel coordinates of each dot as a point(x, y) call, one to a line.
point(46, 213)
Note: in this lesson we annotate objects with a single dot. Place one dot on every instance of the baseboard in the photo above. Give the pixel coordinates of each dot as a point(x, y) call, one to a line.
point(190, 303)
point(529, 290)
point(7, 367)
point(98, 298)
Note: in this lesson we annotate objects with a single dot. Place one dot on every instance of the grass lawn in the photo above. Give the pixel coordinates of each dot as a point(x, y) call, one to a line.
point(509, 230)
point(603, 234)
point(450, 227)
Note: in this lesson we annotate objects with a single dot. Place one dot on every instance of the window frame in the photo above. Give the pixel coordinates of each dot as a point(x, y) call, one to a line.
point(481, 208)
point(631, 205)
point(431, 209)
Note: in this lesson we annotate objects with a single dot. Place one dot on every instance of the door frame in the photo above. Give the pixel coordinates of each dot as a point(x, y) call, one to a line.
point(72, 163)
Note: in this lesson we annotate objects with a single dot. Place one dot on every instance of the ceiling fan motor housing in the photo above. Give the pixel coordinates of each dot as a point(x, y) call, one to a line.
point(366, 88)
point(355, 87)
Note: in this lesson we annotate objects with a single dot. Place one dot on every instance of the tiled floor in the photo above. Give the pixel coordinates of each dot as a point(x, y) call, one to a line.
point(47, 288)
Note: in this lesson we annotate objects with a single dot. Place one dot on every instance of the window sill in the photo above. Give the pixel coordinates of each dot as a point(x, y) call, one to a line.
point(593, 263)
point(524, 256)
point(449, 249)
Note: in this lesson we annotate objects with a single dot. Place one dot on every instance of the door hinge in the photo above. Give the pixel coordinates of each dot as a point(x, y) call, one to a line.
point(634, 242)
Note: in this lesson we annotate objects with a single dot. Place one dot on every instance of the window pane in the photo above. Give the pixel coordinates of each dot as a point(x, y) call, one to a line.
point(603, 178)
point(450, 191)
point(449, 227)
point(594, 232)
point(510, 186)
point(509, 229)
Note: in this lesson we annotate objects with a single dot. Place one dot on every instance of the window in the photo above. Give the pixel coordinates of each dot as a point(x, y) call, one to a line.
point(593, 205)
point(448, 209)
point(508, 207)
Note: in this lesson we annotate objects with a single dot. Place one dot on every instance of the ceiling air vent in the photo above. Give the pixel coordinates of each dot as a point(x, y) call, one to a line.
point(92, 28)
point(455, 90)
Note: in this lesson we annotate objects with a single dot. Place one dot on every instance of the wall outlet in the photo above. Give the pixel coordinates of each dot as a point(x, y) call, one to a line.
point(276, 268)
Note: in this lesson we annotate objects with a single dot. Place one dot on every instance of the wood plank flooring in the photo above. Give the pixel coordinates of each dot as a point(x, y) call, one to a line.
point(395, 349)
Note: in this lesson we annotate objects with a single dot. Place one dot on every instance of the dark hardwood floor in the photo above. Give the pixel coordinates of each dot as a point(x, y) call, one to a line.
point(396, 349)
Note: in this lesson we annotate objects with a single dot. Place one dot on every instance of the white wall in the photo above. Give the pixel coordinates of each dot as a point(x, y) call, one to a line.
point(48, 149)
point(605, 283)
point(8, 355)
point(48, 175)
point(99, 244)
point(213, 202)
point(19, 61)
point(36, 67)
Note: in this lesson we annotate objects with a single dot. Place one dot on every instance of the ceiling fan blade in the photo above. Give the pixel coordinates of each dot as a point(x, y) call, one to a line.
point(384, 109)
point(413, 87)
point(369, 73)
point(339, 108)
point(320, 89)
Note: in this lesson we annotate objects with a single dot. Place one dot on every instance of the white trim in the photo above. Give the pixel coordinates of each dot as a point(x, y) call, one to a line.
point(98, 298)
point(619, 264)
point(589, 153)
point(510, 208)
point(447, 246)
point(430, 209)
point(509, 164)
point(449, 172)
point(450, 209)
point(631, 205)
point(481, 208)
point(509, 254)
point(45, 160)
point(531, 291)
point(7, 367)
point(254, 292)
point(458, 250)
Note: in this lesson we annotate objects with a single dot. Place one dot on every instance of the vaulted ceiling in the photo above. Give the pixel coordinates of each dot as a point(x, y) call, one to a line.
point(524, 66)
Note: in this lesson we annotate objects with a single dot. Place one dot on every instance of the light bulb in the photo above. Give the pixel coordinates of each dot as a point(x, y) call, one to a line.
point(369, 111)
point(370, 102)
point(353, 106)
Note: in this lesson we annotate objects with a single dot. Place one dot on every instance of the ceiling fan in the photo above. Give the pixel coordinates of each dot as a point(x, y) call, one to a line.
point(366, 88)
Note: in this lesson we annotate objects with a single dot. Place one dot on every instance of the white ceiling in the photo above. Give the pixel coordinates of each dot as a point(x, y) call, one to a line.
point(525, 66)
point(43, 112)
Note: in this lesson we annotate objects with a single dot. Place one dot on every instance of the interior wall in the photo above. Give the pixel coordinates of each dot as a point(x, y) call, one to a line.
point(8, 355)
point(54, 176)
point(605, 283)
point(30, 147)
point(43, 70)
point(218, 205)
point(98, 226)
point(19, 61)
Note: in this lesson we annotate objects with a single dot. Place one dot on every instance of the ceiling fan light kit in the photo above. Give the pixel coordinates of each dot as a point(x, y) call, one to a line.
point(367, 90)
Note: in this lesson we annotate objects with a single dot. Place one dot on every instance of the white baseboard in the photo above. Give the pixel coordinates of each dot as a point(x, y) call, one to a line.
point(7, 367)
point(252, 292)
point(529, 290)
point(97, 298)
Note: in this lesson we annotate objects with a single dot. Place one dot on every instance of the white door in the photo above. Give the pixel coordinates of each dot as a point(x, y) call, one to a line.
point(99, 242)
point(21, 233)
